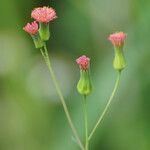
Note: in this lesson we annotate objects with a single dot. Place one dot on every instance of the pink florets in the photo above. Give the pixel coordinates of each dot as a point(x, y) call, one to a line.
point(117, 39)
point(83, 62)
point(31, 28)
point(44, 14)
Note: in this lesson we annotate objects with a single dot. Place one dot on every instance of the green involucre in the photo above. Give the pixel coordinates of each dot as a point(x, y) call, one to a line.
point(37, 41)
point(119, 62)
point(44, 31)
point(84, 85)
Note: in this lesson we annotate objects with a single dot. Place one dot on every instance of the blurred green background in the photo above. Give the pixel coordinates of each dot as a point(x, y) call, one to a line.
point(31, 115)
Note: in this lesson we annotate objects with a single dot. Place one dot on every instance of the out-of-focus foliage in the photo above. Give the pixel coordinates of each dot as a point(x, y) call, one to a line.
point(31, 115)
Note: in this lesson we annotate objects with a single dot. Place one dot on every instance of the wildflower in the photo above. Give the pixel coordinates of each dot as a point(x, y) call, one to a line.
point(118, 39)
point(44, 15)
point(83, 62)
point(32, 29)
point(84, 85)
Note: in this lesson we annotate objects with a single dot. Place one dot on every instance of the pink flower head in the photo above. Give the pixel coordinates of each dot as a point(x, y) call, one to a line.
point(44, 14)
point(83, 62)
point(117, 39)
point(31, 28)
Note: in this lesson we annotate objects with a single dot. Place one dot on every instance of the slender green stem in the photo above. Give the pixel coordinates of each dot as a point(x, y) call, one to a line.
point(85, 122)
point(47, 61)
point(107, 106)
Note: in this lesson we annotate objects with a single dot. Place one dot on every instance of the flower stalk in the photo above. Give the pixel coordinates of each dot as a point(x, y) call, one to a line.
point(106, 107)
point(85, 122)
point(48, 63)
point(84, 87)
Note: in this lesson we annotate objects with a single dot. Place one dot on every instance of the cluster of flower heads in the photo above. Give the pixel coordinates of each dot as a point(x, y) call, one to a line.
point(41, 15)
point(84, 85)
point(40, 33)
point(117, 39)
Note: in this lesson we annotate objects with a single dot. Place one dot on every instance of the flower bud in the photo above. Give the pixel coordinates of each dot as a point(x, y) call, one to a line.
point(32, 29)
point(117, 39)
point(84, 85)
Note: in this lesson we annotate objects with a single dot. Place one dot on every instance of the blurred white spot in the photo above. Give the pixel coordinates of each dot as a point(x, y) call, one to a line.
point(40, 84)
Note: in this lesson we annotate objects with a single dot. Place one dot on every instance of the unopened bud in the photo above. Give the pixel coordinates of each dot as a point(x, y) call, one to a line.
point(117, 39)
point(84, 85)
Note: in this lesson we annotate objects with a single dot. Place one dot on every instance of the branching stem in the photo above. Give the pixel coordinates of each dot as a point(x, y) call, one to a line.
point(107, 106)
point(47, 61)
